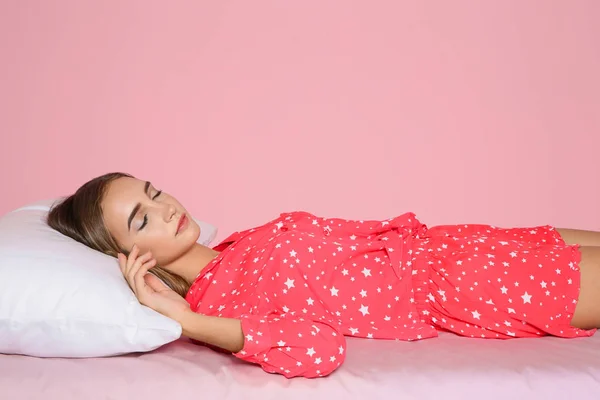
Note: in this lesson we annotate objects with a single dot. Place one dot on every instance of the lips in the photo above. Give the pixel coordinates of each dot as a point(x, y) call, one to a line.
point(181, 224)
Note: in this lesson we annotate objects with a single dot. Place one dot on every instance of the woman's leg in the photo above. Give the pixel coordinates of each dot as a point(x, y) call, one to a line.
point(587, 312)
point(580, 237)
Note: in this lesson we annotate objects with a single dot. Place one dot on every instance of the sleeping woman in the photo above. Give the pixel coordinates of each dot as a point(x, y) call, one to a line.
point(285, 294)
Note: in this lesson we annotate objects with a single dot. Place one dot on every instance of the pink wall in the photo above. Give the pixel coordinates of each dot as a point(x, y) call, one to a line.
point(461, 111)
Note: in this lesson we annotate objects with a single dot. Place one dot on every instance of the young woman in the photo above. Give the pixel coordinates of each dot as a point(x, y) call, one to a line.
point(285, 294)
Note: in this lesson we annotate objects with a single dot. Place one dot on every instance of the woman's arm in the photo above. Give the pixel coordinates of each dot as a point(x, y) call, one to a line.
point(225, 333)
point(279, 344)
point(283, 344)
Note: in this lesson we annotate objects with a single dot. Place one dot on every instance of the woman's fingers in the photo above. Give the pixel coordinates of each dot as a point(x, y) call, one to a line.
point(133, 254)
point(122, 262)
point(138, 278)
point(155, 284)
point(137, 264)
point(134, 257)
point(134, 267)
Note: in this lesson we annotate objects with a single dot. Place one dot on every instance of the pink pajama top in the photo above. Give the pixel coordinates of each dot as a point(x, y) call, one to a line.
point(300, 283)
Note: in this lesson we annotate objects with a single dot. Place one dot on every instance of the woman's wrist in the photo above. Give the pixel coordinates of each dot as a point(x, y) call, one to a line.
point(191, 324)
point(225, 333)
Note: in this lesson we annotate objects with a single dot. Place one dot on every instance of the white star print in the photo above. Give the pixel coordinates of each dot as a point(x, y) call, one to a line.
point(354, 331)
point(334, 291)
point(311, 351)
point(504, 289)
point(366, 272)
point(476, 314)
point(289, 283)
point(364, 310)
point(526, 298)
point(310, 301)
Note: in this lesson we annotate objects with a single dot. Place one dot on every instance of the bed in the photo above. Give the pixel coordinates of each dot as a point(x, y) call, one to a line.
point(447, 367)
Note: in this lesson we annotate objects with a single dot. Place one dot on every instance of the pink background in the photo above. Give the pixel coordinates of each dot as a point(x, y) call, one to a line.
point(461, 111)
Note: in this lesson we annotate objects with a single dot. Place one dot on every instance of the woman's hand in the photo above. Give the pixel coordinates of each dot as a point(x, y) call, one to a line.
point(149, 290)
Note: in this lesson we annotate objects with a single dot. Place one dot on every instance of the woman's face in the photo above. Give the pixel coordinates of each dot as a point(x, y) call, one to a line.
point(135, 212)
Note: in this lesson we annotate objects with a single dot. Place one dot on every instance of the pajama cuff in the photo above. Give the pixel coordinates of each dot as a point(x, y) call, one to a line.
point(257, 336)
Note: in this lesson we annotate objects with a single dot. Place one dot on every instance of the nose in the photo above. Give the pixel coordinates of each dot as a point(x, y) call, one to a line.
point(169, 212)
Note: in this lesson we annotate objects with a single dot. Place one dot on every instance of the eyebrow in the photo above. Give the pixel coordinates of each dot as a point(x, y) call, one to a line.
point(137, 207)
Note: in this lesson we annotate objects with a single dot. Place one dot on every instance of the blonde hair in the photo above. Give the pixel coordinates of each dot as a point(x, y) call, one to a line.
point(79, 217)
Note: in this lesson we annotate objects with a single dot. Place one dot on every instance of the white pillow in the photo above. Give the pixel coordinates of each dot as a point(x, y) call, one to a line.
point(58, 298)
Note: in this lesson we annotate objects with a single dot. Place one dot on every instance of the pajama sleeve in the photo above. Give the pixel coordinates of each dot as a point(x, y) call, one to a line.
point(292, 346)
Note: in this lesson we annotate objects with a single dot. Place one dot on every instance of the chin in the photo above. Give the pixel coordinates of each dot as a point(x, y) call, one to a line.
point(194, 230)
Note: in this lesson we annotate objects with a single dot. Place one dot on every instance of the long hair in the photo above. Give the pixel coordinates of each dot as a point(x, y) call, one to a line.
point(79, 217)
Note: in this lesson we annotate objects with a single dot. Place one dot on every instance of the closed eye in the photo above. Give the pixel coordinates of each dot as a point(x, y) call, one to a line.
point(145, 222)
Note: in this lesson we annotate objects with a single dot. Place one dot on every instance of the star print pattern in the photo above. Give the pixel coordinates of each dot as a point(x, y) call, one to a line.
point(501, 283)
point(301, 283)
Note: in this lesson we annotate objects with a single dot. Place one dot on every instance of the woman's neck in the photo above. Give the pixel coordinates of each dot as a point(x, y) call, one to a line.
point(190, 264)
